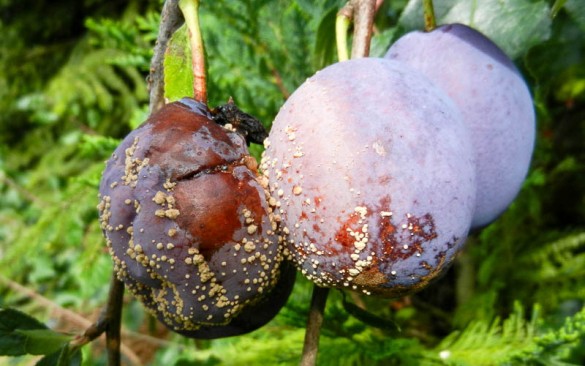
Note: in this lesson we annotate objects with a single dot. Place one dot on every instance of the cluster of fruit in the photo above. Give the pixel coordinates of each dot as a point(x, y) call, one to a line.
point(374, 172)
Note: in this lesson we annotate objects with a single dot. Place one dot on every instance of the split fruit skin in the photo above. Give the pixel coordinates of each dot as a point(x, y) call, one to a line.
point(371, 168)
point(187, 222)
point(494, 100)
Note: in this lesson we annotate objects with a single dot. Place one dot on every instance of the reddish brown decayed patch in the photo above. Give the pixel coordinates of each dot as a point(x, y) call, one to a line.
point(343, 236)
point(317, 200)
point(316, 228)
point(173, 147)
point(418, 231)
point(213, 217)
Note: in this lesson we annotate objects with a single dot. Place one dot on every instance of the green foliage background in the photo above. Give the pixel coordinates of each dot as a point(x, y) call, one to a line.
point(73, 84)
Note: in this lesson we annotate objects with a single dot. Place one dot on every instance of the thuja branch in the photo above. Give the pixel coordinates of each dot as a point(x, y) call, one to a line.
point(190, 9)
point(170, 21)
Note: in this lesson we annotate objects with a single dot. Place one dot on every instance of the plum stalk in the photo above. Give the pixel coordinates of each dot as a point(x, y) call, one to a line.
point(314, 322)
point(342, 23)
point(362, 28)
point(109, 322)
point(114, 314)
point(190, 9)
point(429, 15)
point(361, 12)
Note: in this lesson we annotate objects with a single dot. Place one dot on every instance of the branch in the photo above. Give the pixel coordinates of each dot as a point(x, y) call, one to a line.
point(364, 11)
point(279, 83)
point(23, 191)
point(114, 317)
point(314, 322)
point(170, 20)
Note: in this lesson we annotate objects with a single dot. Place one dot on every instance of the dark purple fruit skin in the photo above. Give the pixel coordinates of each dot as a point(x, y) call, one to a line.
point(188, 225)
point(255, 315)
point(371, 168)
point(494, 100)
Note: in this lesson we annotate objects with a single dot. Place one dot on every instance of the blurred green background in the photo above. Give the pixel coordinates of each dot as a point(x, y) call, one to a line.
point(73, 83)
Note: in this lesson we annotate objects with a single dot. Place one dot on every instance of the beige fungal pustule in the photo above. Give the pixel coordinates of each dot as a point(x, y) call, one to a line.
point(190, 228)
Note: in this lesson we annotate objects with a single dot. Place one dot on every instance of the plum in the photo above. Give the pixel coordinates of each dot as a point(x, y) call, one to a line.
point(371, 169)
point(494, 100)
point(189, 226)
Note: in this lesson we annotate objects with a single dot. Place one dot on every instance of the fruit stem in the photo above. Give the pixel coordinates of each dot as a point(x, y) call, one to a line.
point(342, 23)
point(429, 15)
point(190, 9)
point(314, 322)
point(362, 29)
point(170, 21)
point(114, 316)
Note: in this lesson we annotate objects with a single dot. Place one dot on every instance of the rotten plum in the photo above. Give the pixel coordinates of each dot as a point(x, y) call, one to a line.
point(371, 168)
point(494, 100)
point(189, 226)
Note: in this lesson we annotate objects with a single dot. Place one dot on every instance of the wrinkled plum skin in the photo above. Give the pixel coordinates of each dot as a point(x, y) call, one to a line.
point(188, 225)
point(494, 100)
point(372, 170)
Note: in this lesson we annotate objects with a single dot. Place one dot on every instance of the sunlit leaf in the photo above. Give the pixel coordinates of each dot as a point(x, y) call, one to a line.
point(42, 341)
point(514, 25)
point(62, 357)
point(177, 67)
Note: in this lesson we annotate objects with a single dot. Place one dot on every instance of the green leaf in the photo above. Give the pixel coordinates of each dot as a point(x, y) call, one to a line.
point(13, 343)
point(21, 334)
point(576, 9)
point(11, 319)
point(177, 67)
point(514, 25)
point(325, 41)
point(42, 341)
point(62, 357)
point(381, 42)
point(557, 6)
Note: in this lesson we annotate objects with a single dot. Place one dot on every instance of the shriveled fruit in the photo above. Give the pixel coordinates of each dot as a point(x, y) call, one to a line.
point(494, 100)
point(371, 167)
point(188, 225)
